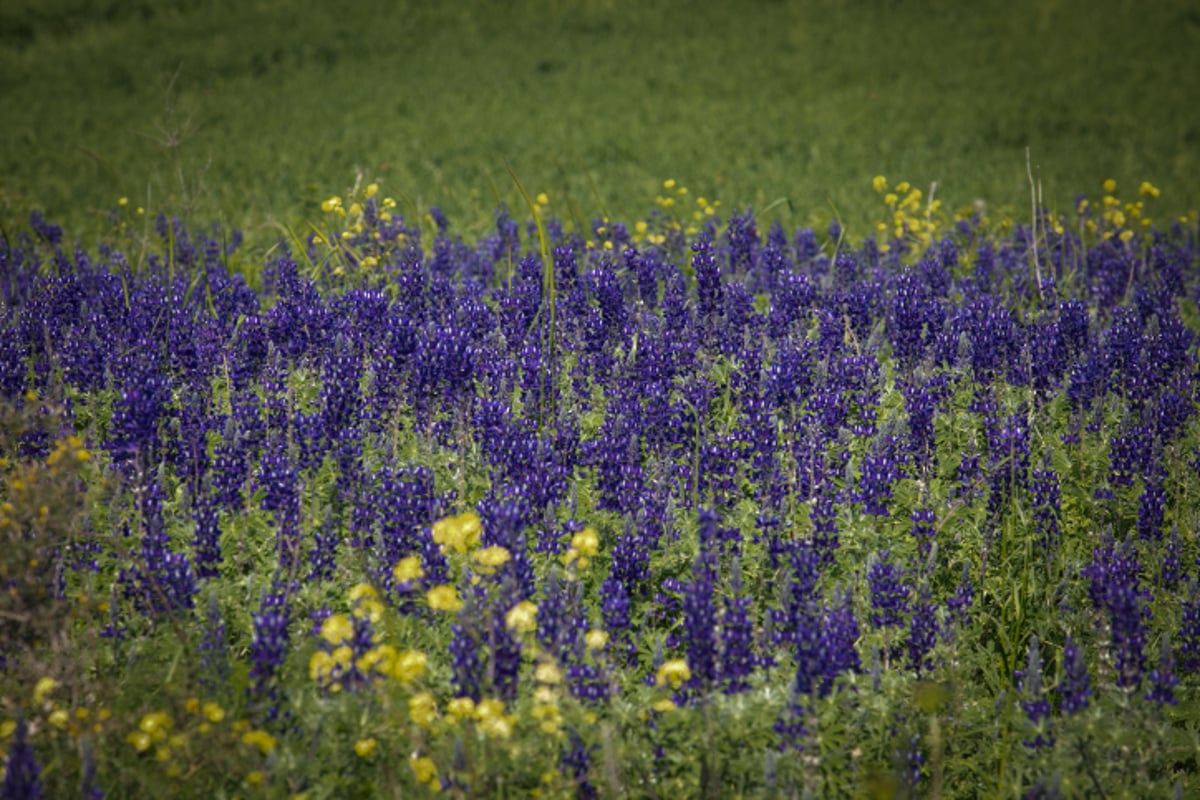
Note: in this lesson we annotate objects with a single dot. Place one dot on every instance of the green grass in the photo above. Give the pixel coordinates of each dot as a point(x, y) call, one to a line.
point(221, 109)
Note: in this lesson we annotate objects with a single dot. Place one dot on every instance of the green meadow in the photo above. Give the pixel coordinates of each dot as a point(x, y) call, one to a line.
point(253, 112)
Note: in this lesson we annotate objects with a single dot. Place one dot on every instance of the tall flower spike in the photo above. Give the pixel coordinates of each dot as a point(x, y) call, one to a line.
point(1036, 705)
point(1076, 684)
point(1163, 679)
point(22, 775)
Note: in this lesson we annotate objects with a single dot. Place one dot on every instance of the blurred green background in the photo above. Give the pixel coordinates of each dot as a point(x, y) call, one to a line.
point(253, 111)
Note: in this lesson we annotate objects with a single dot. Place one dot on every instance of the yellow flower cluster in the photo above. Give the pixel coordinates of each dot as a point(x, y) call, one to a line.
point(424, 768)
point(522, 617)
point(459, 533)
point(669, 202)
point(408, 569)
point(909, 219)
point(489, 559)
point(673, 673)
point(545, 697)
point(1117, 219)
point(32, 487)
point(329, 665)
point(584, 547)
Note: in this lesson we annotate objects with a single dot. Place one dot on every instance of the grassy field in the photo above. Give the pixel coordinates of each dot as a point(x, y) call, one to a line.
point(253, 112)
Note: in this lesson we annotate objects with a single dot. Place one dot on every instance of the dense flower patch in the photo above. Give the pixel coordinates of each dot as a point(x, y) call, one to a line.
point(669, 509)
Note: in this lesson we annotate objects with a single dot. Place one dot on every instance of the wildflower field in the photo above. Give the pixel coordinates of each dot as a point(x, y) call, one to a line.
point(687, 506)
point(512, 469)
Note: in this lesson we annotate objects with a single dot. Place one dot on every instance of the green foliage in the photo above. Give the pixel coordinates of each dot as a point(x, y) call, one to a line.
point(213, 110)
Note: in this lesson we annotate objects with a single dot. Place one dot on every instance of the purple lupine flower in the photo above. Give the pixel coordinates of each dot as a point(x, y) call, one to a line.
point(467, 666)
point(561, 617)
point(575, 763)
point(268, 649)
point(708, 280)
point(922, 632)
point(144, 403)
point(880, 469)
point(1076, 684)
point(737, 659)
point(825, 530)
point(214, 649)
point(22, 774)
point(799, 595)
point(1008, 462)
point(699, 618)
point(1170, 571)
point(1116, 592)
point(912, 759)
point(506, 653)
point(89, 786)
point(1130, 455)
point(923, 531)
point(841, 633)
point(1046, 503)
point(913, 318)
point(324, 550)
point(614, 611)
point(590, 683)
point(889, 592)
point(1163, 679)
point(1150, 505)
point(1189, 629)
point(207, 539)
point(790, 726)
point(920, 402)
point(1035, 702)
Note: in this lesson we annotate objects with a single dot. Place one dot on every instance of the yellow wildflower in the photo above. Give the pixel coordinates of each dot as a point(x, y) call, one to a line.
point(461, 707)
point(156, 724)
point(459, 533)
point(423, 767)
point(408, 569)
point(409, 666)
point(140, 740)
point(337, 629)
point(548, 672)
point(522, 617)
point(664, 705)
point(673, 672)
point(1147, 188)
point(492, 719)
point(320, 665)
point(213, 712)
point(365, 748)
point(369, 607)
point(422, 709)
point(443, 598)
point(879, 183)
point(596, 639)
point(379, 658)
point(1110, 186)
point(543, 199)
point(259, 738)
point(489, 559)
point(43, 687)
